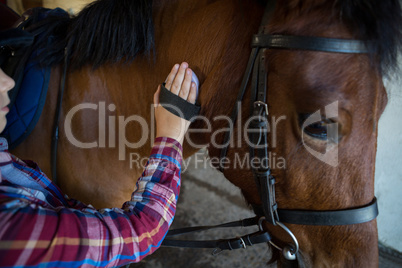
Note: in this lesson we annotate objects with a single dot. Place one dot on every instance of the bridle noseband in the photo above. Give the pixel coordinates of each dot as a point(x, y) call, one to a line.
point(269, 211)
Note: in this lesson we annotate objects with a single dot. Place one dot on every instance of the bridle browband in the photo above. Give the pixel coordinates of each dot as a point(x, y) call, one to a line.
point(309, 43)
point(269, 211)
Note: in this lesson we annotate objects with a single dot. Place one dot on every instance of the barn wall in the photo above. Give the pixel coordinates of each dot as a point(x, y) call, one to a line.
point(389, 167)
point(72, 6)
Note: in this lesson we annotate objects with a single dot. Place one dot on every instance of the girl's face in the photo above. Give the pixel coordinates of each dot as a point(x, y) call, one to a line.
point(6, 84)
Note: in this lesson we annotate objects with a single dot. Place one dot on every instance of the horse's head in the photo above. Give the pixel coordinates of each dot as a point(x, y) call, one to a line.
point(324, 109)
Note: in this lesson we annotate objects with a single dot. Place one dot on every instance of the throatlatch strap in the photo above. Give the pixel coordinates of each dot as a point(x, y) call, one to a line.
point(331, 218)
point(177, 105)
point(327, 218)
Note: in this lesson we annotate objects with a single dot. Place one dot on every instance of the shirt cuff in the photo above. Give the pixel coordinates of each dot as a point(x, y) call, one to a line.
point(168, 147)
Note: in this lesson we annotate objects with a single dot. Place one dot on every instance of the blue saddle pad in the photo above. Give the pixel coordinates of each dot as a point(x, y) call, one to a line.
point(29, 102)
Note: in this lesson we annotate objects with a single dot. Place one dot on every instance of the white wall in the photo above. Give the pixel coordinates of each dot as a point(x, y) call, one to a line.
point(389, 168)
point(72, 6)
point(16, 5)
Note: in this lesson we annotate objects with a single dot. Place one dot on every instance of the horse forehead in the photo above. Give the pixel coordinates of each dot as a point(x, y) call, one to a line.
point(320, 77)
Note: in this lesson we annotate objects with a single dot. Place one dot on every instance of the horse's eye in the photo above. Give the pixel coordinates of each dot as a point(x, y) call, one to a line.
point(318, 129)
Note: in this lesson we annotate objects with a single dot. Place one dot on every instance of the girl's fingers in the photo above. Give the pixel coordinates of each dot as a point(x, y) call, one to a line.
point(185, 86)
point(193, 93)
point(171, 76)
point(178, 80)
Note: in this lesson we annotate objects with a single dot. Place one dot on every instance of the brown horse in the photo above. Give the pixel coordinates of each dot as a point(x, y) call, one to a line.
point(106, 111)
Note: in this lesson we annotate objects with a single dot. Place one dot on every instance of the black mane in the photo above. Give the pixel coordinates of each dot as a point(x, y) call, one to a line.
point(380, 23)
point(106, 31)
point(109, 31)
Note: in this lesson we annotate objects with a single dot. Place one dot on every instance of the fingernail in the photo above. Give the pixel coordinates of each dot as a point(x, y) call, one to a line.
point(176, 66)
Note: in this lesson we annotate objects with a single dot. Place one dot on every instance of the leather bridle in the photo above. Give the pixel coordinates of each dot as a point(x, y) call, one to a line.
point(269, 211)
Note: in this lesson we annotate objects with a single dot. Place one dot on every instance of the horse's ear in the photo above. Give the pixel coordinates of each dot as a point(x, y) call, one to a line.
point(378, 22)
point(382, 100)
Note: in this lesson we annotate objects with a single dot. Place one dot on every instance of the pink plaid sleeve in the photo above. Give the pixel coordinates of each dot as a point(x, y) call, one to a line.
point(34, 233)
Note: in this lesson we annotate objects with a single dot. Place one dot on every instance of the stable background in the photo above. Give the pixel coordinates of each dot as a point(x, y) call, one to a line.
point(207, 198)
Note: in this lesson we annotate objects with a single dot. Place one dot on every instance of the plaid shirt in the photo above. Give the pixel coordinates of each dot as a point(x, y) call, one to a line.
point(40, 226)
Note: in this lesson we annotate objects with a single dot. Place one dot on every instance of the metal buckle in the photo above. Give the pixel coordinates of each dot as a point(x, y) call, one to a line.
point(260, 103)
point(242, 242)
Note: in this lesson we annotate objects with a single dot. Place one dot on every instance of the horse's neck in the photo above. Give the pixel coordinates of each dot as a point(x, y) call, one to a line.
point(215, 39)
